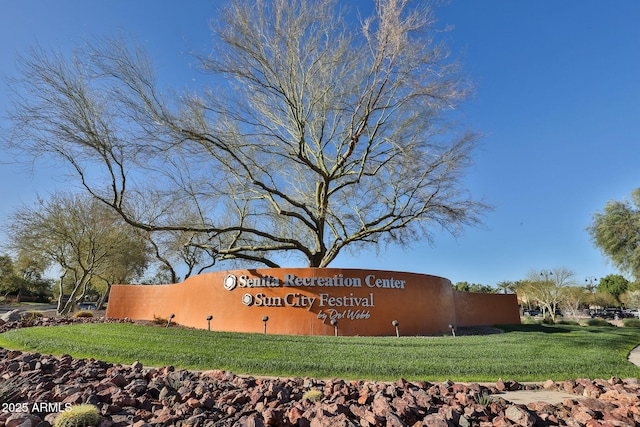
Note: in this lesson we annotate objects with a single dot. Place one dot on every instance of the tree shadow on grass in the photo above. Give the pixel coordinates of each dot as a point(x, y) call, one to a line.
point(547, 329)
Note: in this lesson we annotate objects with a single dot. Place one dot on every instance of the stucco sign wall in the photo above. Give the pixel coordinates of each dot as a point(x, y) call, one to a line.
point(312, 301)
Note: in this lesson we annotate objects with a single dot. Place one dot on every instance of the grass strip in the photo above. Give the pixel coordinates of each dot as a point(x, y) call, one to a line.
point(522, 353)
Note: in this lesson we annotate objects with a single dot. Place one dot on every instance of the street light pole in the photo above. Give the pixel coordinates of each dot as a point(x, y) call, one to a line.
point(546, 274)
point(591, 287)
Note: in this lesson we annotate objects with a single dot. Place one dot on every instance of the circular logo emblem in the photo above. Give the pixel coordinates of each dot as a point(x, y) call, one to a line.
point(230, 282)
point(247, 299)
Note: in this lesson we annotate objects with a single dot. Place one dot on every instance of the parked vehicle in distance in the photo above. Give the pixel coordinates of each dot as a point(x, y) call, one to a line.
point(635, 312)
point(532, 313)
point(86, 306)
point(611, 313)
point(536, 312)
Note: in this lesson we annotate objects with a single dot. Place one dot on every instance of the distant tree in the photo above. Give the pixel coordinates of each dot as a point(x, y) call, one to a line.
point(574, 297)
point(615, 285)
point(591, 287)
point(632, 299)
point(602, 300)
point(9, 280)
point(549, 288)
point(318, 134)
point(616, 232)
point(22, 277)
point(506, 287)
point(461, 286)
point(473, 287)
point(83, 238)
point(129, 259)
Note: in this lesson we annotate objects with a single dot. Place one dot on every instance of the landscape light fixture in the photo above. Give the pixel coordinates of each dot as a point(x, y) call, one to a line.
point(334, 322)
point(395, 323)
point(209, 322)
point(265, 319)
point(171, 316)
point(453, 329)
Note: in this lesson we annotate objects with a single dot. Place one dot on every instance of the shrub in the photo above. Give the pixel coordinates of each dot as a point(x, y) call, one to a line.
point(31, 315)
point(483, 399)
point(567, 322)
point(596, 322)
point(78, 416)
point(159, 320)
point(631, 323)
point(313, 395)
point(528, 320)
point(83, 313)
point(548, 320)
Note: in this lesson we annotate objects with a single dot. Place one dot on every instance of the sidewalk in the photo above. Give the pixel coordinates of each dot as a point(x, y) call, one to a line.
point(634, 356)
point(552, 396)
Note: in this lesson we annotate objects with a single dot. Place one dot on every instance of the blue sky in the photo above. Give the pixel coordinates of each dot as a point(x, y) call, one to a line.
point(557, 100)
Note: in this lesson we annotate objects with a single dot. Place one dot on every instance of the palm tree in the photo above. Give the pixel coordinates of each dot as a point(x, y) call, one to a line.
point(506, 286)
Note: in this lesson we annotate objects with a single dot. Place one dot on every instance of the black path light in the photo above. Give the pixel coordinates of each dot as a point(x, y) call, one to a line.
point(209, 322)
point(265, 319)
point(453, 329)
point(171, 316)
point(334, 322)
point(395, 323)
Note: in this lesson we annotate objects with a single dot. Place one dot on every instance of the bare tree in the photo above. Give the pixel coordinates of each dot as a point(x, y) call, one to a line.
point(549, 287)
point(83, 238)
point(575, 297)
point(189, 251)
point(318, 133)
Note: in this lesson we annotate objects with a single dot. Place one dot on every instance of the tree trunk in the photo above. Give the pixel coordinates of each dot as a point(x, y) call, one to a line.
point(61, 294)
point(103, 298)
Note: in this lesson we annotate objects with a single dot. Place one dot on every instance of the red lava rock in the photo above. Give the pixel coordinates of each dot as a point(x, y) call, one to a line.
point(118, 380)
point(435, 420)
point(364, 397)
point(519, 415)
point(22, 420)
point(380, 406)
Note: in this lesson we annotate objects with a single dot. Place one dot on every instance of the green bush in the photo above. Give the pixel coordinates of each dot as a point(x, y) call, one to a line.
point(631, 323)
point(484, 398)
point(548, 320)
point(159, 320)
point(78, 416)
point(83, 313)
point(528, 320)
point(31, 315)
point(567, 322)
point(596, 322)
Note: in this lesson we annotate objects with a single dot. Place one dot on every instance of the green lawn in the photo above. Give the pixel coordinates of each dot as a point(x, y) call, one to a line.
point(522, 353)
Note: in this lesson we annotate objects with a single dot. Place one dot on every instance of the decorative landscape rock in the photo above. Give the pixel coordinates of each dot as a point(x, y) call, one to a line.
point(139, 396)
point(11, 316)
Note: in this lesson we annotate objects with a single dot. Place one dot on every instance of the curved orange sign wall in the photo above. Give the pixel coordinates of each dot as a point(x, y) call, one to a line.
point(314, 301)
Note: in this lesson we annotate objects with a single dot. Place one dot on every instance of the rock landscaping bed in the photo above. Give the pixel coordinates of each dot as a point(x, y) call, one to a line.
point(34, 384)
